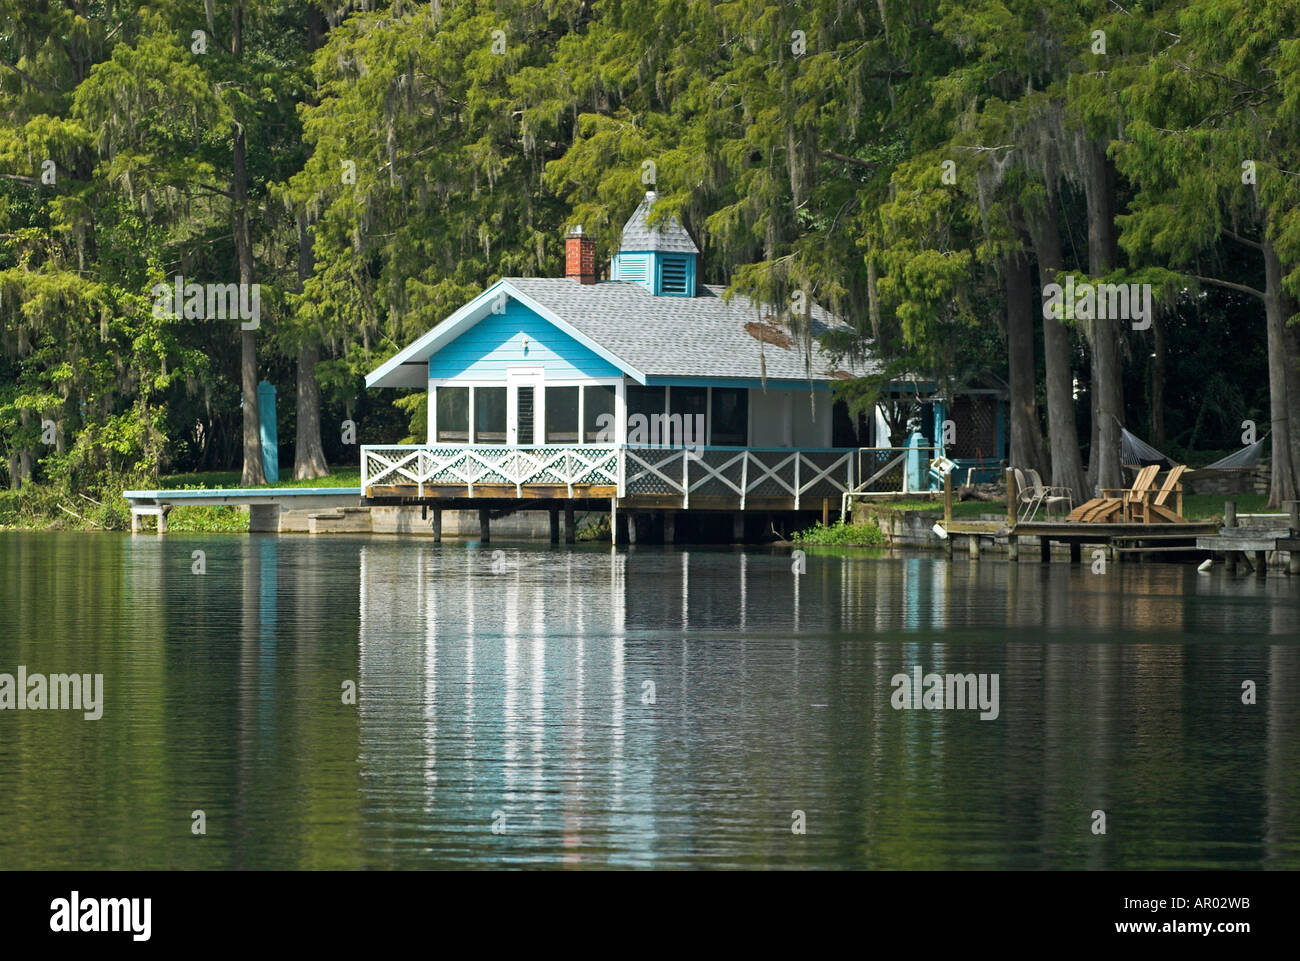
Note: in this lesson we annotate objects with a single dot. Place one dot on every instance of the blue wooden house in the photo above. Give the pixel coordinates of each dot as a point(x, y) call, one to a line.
point(647, 389)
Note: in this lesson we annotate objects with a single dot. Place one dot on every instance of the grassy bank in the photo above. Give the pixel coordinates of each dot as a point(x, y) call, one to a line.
point(45, 507)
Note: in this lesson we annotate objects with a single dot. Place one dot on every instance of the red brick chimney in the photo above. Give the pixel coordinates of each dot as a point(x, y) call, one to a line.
point(579, 257)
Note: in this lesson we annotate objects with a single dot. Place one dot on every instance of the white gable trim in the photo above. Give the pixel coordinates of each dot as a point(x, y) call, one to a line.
point(396, 372)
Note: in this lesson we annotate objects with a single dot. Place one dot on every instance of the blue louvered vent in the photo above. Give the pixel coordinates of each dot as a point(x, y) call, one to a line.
point(672, 275)
point(633, 268)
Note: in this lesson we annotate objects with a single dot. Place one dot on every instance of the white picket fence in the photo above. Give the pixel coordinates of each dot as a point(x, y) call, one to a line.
point(703, 471)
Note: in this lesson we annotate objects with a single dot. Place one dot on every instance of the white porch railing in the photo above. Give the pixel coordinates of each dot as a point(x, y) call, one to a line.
point(742, 473)
point(452, 465)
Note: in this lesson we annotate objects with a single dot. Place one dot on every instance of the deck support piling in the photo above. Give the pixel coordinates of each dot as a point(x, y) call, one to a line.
point(1044, 545)
point(1293, 522)
point(738, 525)
point(973, 546)
point(555, 524)
point(1261, 563)
point(262, 518)
point(1013, 541)
point(1076, 552)
point(484, 526)
point(437, 525)
point(1230, 520)
point(570, 532)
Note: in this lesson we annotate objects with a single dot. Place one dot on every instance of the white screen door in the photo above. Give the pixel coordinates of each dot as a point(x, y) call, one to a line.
point(525, 401)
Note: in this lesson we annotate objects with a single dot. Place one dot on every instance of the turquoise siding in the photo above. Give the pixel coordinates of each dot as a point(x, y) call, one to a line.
point(497, 342)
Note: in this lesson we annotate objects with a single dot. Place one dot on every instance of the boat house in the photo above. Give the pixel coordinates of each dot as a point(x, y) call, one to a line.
point(646, 392)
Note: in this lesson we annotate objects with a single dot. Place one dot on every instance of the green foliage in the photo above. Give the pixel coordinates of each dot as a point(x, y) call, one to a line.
point(806, 144)
point(840, 534)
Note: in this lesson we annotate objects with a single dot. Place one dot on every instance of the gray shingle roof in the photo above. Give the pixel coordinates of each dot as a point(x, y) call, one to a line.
point(670, 236)
point(700, 336)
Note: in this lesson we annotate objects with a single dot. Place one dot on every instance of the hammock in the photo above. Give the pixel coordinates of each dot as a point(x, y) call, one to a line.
point(1246, 457)
point(1136, 452)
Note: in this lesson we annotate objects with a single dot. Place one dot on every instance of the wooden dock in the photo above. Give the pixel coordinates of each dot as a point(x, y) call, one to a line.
point(1228, 540)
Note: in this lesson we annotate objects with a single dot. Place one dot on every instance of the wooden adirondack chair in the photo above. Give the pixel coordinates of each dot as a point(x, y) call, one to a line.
point(1104, 509)
point(1154, 510)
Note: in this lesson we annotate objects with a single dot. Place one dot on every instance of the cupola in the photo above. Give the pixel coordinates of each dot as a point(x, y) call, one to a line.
point(661, 259)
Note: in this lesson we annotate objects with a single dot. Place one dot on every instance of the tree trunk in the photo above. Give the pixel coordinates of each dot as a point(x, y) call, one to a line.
point(1099, 188)
point(309, 452)
point(25, 458)
point(253, 473)
point(1282, 483)
point(1158, 438)
point(1026, 430)
point(1062, 434)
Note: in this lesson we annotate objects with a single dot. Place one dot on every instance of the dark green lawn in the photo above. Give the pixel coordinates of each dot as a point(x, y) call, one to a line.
point(339, 476)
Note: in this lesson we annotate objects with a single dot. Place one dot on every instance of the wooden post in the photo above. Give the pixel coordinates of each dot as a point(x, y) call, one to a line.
point(1076, 552)
point(947, 500)
point(555, 524)
point(826, 512)
point(738, 525)
point(1012, 493)
point(1293, 521)
point(1013, 547)
point(1230, 520)
point(570, 534)
point(1044, 548)
point(484, 527)
point(670, 527)
point(1261, 563)
point(613, 520)
point(973, 546)
point(947, 546)
point(437, 525)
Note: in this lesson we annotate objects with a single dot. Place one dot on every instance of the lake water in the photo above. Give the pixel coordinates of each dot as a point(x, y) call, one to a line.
point(650, 707)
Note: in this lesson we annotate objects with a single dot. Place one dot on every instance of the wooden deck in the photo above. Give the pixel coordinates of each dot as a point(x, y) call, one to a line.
point(1225, 539)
